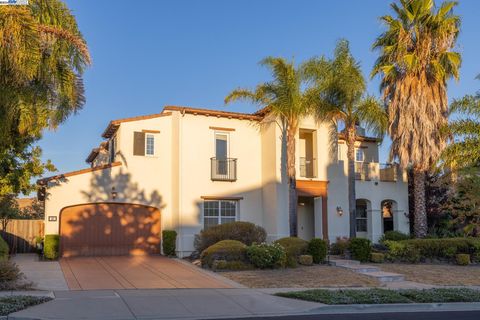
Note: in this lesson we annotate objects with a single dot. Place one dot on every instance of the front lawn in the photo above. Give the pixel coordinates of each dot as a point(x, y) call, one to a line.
point(16, 303)
point(302, 277)
point(436, 274)
point(383, 296)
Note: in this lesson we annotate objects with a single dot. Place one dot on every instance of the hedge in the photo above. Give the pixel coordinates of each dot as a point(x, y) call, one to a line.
point(415, 250)
point(3, 250)
point(169, 240)
point(228, 250)
point(360, 249)
point(294, 248)
point(51, 245)
point(318, 248)
point(265, 255)
point(245, 232)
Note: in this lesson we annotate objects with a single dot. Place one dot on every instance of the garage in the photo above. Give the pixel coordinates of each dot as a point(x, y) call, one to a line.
point(109, 229)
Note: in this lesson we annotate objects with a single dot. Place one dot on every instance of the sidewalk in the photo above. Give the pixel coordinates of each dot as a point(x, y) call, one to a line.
point(164, 304)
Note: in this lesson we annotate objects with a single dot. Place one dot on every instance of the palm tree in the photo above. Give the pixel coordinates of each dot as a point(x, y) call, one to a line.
point(341, 90)
point(416, 60)
point(287, 98)
point(42, 59)
point(464, 151)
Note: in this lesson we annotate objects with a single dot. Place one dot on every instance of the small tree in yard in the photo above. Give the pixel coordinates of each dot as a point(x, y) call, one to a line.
point(8, 209)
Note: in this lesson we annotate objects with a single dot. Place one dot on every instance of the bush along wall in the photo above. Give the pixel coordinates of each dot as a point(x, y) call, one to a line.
point(3, 250)
point(51, 246)
point(169, 242)
point(318, 248)
point(421, 250)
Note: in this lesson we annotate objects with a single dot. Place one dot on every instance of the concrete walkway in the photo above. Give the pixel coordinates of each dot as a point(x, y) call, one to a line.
point(164, 304)
point(45, 275)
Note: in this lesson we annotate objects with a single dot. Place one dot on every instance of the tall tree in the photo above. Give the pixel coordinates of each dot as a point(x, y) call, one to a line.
point(341, 90)
point(288, 98)
point(464, 149)
point(416, 59)
point(42, 58)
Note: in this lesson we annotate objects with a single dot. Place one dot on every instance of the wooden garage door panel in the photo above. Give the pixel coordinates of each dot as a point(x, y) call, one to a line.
point(109, 229)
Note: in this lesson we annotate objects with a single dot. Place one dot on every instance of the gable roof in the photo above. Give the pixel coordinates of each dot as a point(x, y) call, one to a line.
point(114, 124)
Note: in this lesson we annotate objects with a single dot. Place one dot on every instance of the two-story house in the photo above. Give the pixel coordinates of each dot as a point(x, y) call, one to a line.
point(187, 169)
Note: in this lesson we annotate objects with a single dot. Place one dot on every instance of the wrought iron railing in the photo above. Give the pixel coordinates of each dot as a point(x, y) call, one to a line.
point(223, 169)
point(307, 167)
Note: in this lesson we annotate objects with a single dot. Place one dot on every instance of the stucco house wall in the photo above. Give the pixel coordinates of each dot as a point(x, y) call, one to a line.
point(178, 177)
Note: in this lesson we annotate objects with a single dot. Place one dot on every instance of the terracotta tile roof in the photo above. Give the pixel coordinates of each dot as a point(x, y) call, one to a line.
point(77, 172)
point(215, 113)
point(341, 136)
point(114, 124)
point(92, 155)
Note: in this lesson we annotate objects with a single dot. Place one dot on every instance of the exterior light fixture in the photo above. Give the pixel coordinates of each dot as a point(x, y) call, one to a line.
point(114, 193)
point(339, 211)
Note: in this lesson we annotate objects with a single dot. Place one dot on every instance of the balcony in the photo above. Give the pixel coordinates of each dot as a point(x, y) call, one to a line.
point(363, 171)
point(388, 172)
point(307, 167)
point(223, 169)
point(385, 172)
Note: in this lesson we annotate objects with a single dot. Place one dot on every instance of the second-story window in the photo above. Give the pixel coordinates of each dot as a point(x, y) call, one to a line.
point(359, 155)
point(150, 145)
point(145, 144)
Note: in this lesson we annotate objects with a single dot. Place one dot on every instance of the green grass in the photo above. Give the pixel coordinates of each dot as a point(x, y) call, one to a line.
point(17, 303)
point(383, 296)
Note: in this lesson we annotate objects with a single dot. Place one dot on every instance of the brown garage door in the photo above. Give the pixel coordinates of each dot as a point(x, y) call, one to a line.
point(109, 229)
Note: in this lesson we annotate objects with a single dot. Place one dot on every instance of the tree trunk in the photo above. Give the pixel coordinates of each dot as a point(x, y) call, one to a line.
point(420, 227)
point(352, 198)
point(292, 181)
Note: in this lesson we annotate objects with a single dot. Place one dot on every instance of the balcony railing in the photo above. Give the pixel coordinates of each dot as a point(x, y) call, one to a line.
point(362, 171)
point(307, 167)
point(388, 172)
point(223, 169)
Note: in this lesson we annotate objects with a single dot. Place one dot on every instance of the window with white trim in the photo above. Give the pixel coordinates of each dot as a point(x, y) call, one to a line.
point(219, 212)
point(149, 145)
point(359, 155)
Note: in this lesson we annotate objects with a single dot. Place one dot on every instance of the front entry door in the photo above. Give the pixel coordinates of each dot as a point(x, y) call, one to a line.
point(306, 218)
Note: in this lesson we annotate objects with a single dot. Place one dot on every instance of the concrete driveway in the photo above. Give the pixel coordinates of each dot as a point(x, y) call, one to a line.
point(136, 272)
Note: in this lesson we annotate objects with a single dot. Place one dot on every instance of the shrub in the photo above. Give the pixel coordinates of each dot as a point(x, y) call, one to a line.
point(377, 257)
point(340, 246)
point(402, 252)
point(11, 278)
point(169, 240)
point(266, 255)
point(394, 236)
point(228, 250)
point(16, 303)
point(305, 260)
point(3, 250)
point(294, 248)
point(463, 259)
point(51, 246)
point(360, 249)
point(219, 265)
point(445, 248)
point(245, 232)
point(317, 248)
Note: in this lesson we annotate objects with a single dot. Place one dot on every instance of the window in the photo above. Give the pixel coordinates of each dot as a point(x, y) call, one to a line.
point(112, 148)
point(149, 145)
point(359, 155)
point(218, 212)
point(221, 153)
point(361, 216)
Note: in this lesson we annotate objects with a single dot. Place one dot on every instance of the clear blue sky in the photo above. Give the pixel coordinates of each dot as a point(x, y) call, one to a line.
point(150, 53)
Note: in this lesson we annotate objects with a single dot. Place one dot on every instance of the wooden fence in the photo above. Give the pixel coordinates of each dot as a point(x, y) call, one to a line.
point(20, 235)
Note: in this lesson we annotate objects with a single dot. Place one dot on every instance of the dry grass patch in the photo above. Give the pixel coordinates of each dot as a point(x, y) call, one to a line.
point(436, 274)
point(301, 277)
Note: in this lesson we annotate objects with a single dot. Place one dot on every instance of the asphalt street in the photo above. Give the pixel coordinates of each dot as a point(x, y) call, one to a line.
point(443, 315)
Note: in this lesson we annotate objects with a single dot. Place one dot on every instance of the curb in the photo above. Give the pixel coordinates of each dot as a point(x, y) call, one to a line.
point(396, 308)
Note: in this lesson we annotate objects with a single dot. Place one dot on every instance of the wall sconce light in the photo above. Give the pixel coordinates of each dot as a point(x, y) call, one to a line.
point(339, 211)
point(406, 214)
point(114, 193)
